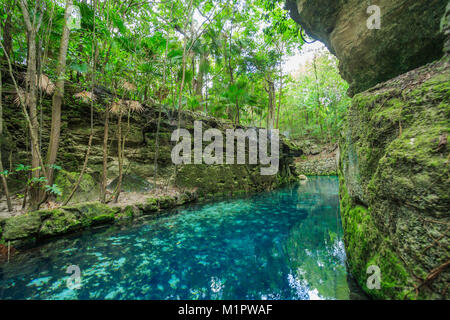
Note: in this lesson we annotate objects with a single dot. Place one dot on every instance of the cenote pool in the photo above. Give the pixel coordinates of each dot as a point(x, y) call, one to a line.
point(285, 244)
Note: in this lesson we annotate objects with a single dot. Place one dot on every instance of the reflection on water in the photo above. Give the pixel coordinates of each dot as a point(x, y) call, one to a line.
point(285, 244)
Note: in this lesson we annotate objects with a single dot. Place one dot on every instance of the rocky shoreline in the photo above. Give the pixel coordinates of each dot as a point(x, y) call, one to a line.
point(318, 160)
point(29, 229)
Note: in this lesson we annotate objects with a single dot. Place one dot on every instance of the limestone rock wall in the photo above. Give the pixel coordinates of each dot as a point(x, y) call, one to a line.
point(140, 150)
point(394, 158)
point(394, 183)
point(409, 35)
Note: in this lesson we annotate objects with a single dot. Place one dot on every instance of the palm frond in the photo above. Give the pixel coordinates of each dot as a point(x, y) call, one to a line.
point(128, 86)
point(85, 96)
point(45, 84)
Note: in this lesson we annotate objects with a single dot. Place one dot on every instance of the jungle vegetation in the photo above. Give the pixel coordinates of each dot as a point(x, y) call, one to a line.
point(222, 58)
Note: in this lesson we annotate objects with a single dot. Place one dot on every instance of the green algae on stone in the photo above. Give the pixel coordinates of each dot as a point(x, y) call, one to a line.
point(167, 202)
point(131, 183)
point(66, 181)
point(92, 213)
point(22, 226)
point(150, 205)
point(394, 182)
point(58, 222)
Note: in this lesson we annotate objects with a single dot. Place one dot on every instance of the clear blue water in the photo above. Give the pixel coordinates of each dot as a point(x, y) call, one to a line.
point(285, 244)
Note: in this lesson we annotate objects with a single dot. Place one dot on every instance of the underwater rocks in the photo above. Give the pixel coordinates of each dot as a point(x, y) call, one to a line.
point(409, 36)
point(394, 183)
point(27, 230)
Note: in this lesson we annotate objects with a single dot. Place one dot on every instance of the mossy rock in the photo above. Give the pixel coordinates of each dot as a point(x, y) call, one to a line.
point(127, 213)
point(167, 202)
point(219, 179)
point(87, 190)
point(58, 222)
point(131, 183)
point(150, 205)
point(394, 182)
point(93, 213)
point(22, 226)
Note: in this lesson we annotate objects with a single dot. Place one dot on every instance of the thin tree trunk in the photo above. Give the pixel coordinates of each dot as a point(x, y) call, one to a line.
point(105, 157)
point(183, 76)
point(7, 35)
point(281, 91)
point(270, 111)
point(88, 151)
point(32, 91)
point(319, 105)
point(32, 27)
point(83, 170)
point(159, 111)
point(58, 98)
point(119, 154)
point(4, 182)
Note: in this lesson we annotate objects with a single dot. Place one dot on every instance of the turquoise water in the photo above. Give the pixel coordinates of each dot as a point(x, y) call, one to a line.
point(285, 244)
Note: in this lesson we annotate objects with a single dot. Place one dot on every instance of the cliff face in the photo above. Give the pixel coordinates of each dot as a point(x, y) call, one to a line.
point(394, 182)
point(393, 170)
point(191, 182)
point(408, 37)
point(140, 150)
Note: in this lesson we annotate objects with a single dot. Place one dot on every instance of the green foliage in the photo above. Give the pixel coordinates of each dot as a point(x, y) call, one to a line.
point(22, 167)
point(53, 189)
point(316, 100)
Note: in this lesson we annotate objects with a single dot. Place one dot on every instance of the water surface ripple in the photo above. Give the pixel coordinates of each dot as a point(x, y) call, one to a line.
point(285, 244)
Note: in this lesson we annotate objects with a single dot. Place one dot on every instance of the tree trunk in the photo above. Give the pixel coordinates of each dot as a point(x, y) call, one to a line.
point(270, 112)
point(161, 101)
point(279, 95)
point(7, 35)
point(105, 157)
point(119, 154)
point(94, 68)
point(32, 91)
point(58, 98)
point(183, 76)
point(4, 182)
point(319, 105)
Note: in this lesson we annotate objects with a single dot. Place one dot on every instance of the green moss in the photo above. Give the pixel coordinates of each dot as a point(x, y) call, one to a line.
point(166, 202)
point(58, 222)
point(129, 212)
point(150, 205)
point(365, 247)
point(92, 213)
point(87, 190)
point(394, 176)
point(22, 226)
